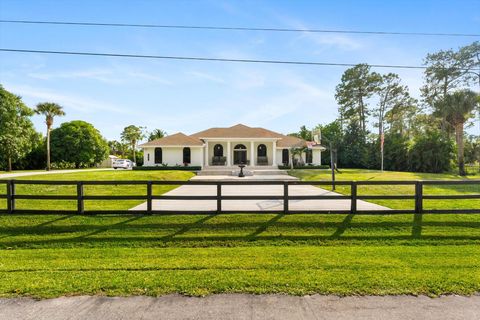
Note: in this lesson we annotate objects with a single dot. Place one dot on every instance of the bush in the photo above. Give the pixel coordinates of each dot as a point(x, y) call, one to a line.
point(432, 152)
point(304, 167)
point(184, 168)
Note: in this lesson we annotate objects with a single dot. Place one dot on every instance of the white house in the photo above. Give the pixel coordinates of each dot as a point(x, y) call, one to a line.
point(229, 147)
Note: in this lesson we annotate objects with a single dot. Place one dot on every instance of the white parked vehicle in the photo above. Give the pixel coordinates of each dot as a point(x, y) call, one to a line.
point(123, 164)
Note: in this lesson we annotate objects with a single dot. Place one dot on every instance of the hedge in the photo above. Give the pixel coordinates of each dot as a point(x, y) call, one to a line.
point(305, 167)
point(183, 168)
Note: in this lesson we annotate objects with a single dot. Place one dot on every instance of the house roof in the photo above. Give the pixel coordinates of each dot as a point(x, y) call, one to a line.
point(177, 139)
point(291, 142)
point(237, 131)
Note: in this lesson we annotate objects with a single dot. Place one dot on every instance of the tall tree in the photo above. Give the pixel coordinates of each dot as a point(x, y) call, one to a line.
point(358, 84)
point(445, 72)
point(456, 109)
point(78, 142)
point(156, 134)
point(50, 110)
point(391, 94)
point(132, 134)
point(16, 129)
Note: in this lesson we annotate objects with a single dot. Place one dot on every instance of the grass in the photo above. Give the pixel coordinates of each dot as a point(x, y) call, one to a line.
point(359, 175)
point(54, 255)
point(93, 190)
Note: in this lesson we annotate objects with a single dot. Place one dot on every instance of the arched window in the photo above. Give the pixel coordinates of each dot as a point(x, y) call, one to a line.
point(262, 150)
point(186, 155)
point(218, 150)
point(285, 159)
point(240, 147)
point(158, 155)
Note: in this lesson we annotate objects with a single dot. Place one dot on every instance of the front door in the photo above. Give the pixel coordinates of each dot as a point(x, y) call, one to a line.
point(240, 154)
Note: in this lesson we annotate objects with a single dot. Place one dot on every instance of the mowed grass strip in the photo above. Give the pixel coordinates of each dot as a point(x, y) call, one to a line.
point(107, 190)
point(375, 175)
point(57, 231)
point(198, 271)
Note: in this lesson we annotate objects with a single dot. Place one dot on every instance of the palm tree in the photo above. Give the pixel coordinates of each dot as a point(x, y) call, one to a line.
point(456, 109)
point(132, 134)
point(50, 110)
point(156, 134)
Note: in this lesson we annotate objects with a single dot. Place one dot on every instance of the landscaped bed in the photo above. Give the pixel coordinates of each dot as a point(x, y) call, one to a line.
point(52, 255)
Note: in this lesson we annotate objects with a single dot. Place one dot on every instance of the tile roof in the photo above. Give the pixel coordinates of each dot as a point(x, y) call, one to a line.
point(237, 131)
point(291, 142)
point(177, 139)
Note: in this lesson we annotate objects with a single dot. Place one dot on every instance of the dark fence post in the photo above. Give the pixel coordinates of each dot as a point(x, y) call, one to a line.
point(11, 196)
point(149, 197)
point(80, 204)
point(285, 197)
point(418, 197)
point(353, 196)
point(219, 197)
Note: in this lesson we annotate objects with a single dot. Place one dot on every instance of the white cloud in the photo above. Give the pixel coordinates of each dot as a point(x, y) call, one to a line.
point(81, 104)
point(114, 75)
point(205, 76)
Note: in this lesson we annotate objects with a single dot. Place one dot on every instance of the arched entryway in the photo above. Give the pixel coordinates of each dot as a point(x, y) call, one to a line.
point(262, 158)
point(240, 154)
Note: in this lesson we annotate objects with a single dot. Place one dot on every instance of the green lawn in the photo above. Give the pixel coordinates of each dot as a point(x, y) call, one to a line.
point(93, 190)
point(53, 255)
point(361, 175)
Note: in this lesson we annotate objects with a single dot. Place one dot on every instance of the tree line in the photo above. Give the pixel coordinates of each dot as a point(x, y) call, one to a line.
point(381, 126)
point(74, 144)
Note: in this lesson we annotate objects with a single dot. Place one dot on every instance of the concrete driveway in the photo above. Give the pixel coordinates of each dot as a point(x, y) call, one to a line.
point(250, 205)
point(242, 306)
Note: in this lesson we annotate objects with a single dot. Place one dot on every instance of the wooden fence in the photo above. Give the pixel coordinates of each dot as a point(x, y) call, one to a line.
point(11, 196)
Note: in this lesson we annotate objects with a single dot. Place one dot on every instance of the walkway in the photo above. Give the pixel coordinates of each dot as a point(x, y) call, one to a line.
point(242, 306)
point(250, 205)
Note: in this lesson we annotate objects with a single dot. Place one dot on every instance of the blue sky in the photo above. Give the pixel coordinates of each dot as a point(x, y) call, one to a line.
point(190, 96)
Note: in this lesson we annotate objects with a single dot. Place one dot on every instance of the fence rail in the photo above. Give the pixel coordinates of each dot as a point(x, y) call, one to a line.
point(11, 196)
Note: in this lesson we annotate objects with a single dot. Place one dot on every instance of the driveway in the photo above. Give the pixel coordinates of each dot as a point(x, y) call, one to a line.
point(250, 205)
point(242, 306)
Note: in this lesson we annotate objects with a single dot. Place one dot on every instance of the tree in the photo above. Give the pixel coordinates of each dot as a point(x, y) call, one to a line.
point(117, 148)
point(431, 152)
point(156, 134)
point(443, 74)
point(332, 136)
point(16, 129)
point(50, 110)
point(392, 94)
point(78, 142)
point(456, 109)
point(358, 84)
point(354, 152)
point(472, 149)
point(132, 134)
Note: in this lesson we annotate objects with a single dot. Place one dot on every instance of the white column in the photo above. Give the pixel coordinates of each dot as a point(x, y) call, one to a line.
point(274, 154)
point(229, 154)
point(252, 154)
point(206, 153)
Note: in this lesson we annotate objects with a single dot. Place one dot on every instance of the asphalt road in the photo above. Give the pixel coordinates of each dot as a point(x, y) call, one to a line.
point(36, 173)
point(242, 306)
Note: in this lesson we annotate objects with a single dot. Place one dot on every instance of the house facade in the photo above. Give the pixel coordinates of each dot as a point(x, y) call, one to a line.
point(229, 147)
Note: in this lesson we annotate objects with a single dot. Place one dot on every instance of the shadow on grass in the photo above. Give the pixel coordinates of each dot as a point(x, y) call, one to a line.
point(152, 231)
